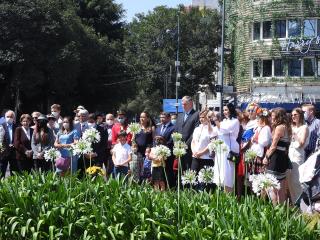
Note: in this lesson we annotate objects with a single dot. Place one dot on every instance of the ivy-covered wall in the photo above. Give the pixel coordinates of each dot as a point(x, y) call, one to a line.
point(240, 16)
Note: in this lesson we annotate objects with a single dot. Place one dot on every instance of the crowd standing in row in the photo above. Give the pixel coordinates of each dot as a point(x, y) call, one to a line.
point(281, 142)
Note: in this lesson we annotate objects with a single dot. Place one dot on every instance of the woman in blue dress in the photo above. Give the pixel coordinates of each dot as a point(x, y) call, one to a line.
point(65, 138)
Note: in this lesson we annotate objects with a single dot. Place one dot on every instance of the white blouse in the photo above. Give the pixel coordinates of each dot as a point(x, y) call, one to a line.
point(264, 140)
point(201, 139)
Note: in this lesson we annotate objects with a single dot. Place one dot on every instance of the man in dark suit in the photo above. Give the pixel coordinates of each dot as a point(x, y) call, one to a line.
point(186, 123)
point(165, 129)
point(8, 155)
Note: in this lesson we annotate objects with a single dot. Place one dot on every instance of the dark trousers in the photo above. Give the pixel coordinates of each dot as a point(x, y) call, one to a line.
point(25, 165)
point(120, 170)
point(170, 172)
point(186, 160)
point(198, 163)
point(42, 165)
point(11, 159)
point(108, 163)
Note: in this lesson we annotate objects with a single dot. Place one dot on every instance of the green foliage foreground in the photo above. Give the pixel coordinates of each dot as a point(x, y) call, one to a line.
point(50, 207)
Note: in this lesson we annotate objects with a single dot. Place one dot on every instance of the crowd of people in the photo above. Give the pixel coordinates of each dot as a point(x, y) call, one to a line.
point(282, 142)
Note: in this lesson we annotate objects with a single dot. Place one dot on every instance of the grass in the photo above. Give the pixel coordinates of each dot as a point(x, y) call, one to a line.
point(46, 207)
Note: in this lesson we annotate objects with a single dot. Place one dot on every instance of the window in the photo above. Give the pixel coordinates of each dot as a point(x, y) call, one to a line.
point(294, 28)
point(267, 29)
point(308, 69)
point(278, 68)
point(256, 68)
point(256, 31)
point(309, 28)
point(267, 68)
point(318, 25)
point(294, 67)
point(280, 28)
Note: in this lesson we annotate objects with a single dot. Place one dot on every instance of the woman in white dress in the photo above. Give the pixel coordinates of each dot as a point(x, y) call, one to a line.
point(299, 140)
point(228, 131)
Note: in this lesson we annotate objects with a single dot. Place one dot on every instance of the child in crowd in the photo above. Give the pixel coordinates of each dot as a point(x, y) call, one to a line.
point(121, 155)
point(146, 170)
point(158, 165)
point(136, 163)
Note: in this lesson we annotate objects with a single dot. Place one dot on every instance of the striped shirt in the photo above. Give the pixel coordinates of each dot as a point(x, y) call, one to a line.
point(314, 130)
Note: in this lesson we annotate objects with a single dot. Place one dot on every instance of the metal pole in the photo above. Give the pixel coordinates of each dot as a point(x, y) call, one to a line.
point(220, 94)
point(177, 64)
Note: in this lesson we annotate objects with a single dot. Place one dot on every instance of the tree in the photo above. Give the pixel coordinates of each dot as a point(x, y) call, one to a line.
point(151, 45)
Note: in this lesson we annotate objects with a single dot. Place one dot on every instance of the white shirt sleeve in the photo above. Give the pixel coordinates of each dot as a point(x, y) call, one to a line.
point(229, 126)
point(265, 136)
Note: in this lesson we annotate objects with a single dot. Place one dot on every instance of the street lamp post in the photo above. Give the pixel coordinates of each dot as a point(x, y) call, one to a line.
point(177, 65)
point(220, 80)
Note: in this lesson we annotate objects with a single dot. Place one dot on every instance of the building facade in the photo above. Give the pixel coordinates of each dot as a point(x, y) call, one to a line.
point(275, 50)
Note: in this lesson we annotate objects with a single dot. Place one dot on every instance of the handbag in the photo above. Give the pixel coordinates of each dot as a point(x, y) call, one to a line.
point(233, 156)
point(63, 163)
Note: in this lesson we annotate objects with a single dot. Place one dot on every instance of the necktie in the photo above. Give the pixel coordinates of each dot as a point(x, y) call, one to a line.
point(186, 116)
point(163, 129)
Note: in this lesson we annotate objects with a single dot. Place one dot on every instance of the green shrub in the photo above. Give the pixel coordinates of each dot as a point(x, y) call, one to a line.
point(50, 207)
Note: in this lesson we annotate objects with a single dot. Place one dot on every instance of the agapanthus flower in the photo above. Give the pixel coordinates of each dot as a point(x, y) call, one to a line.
point(179, 148)
point(162, 152)
point(52, 154)
point(189, 177)
point(250, 155)
point(206, 175)
point(81, 147)
point(134, 128)
point(91, 135)
point(263, 182)
point(176, 137)
point(217, 146)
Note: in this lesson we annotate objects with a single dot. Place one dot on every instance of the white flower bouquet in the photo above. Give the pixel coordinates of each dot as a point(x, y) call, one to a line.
point(91, 135)
point(262, 182)
point(134, 128)
point(51, 154)
point(206, 175)
point(162, 152)
point(189, 177)
point(81, 147)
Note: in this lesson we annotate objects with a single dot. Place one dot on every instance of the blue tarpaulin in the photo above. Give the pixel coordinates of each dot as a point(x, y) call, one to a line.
point(169, 105)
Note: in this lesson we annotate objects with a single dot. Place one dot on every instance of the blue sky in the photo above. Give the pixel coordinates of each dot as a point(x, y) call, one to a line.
point(137, 6)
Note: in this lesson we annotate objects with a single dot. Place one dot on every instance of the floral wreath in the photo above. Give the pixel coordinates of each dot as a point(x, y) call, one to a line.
point(262, 112)
point(254, 106)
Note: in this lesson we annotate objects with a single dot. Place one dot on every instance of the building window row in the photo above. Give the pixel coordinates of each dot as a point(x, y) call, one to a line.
point(292, 67)
point(297, 28)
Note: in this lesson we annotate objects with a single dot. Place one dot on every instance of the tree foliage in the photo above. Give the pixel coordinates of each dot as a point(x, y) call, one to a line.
point(151, 45)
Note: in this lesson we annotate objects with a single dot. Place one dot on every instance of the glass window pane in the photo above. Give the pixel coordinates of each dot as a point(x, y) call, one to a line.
point(294, 28)
point(318, 67)
point(278, 68)
point(256, 69)
point(309, 27)
point(267, 29)
point(267, 68)
point(256, 31)
point(308, 70)
point(280, 29)
point(318, 28)
point(294, 68)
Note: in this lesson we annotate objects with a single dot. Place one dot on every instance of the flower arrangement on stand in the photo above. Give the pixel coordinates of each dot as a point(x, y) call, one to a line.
point(51, 155)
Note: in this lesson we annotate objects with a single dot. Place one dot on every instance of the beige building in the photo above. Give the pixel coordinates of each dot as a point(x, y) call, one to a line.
point(212, 4)
point(275, 50)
